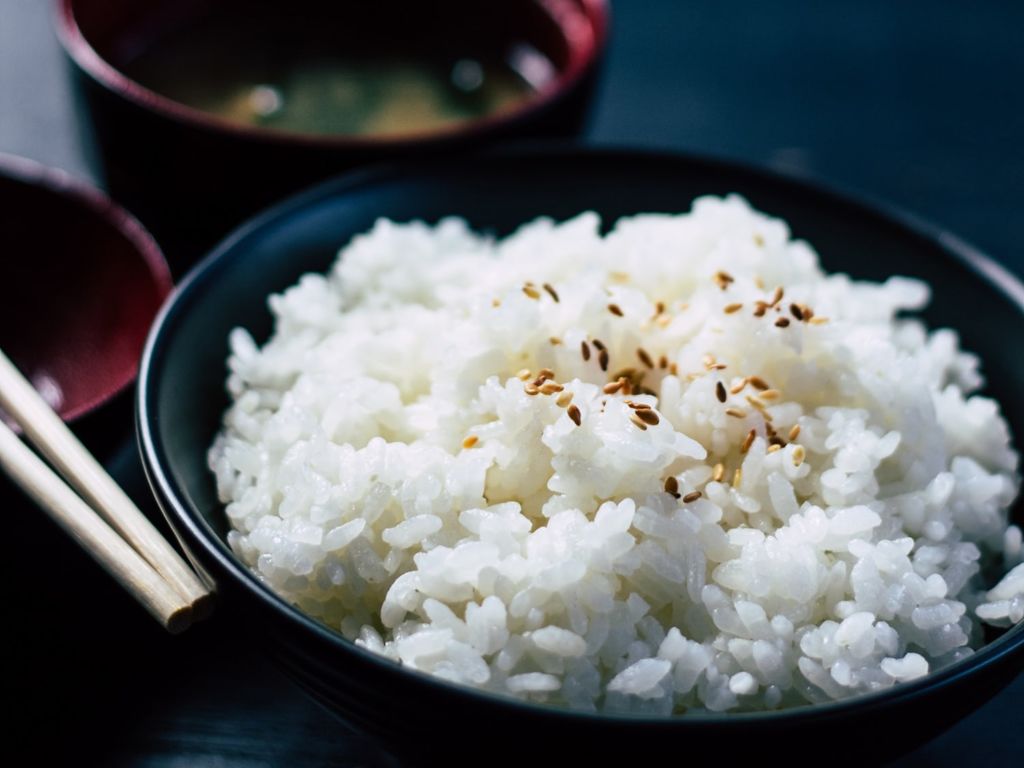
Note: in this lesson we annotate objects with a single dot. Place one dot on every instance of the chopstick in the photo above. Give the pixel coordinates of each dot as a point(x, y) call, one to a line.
point(57, 443)
point(95, 536)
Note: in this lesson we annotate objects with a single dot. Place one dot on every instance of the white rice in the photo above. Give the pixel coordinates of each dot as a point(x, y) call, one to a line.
point(385, 469)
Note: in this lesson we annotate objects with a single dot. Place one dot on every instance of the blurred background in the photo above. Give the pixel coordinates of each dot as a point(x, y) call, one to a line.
point(918, 104)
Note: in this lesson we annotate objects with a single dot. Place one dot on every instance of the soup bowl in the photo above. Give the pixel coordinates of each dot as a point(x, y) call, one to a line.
point(182, 398)
point(167, 157)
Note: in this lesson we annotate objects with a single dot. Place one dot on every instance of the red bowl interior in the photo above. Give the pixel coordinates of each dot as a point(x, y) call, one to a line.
point(82, 281)
point(572, 34)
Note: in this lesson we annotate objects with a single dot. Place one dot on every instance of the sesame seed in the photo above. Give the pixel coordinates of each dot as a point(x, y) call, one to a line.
point(736, 413)
point(495, 303)
point(564, 399)
point(774, 447)
point(777, 296)
point(718, 472)
point(659, 308)
point(524, 374)
point(531, 389)
point(637, 422)
point(758, 383)
point(551, 388)
point(782, 322)
point(615, 310)
point(731, 308)
point(717, 367)
point(645, 358)
point(796, 311)
point(720, 392)
point(551, 291)
point(598, 344)
point(818, 320)
point(585, 350)
point(738, 386)
point(612, 387)
point(555, 341)
point(737, 477)
point(672, 486)
point(758, 240)
point(722, 279)
point(664, 321)
point(808, 312)
point(619, 277)
point(673, 369)
point(708, 360)
point(748, 441)
point(794, 432)
point(530, 291)
point(799, 454)
point(663, 362)
point(770, 394)
point(648, 417)
point(470, 441)
point(691, 497)
point(574, 414)
point(602, 359)
point(638, 406)
point(759, 282)
point(760, 308)
point(775, 440)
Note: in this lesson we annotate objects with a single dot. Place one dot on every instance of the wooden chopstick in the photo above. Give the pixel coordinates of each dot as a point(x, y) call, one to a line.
point(64, 451)
point(96, 537)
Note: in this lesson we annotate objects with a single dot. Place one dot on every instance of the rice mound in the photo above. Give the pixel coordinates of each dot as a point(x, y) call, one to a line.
point(790, 497)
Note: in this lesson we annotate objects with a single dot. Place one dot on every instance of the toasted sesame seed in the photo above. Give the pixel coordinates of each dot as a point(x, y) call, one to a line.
point(737, 477)
point(758, 383)
point(736, 413)
point(808, 312)
point(748, 441)
point(718, 367)
point(615, 310)
point(738, 386)
point(531, 389)
point(564, 399)
point(524, 374)
point(574, 414)
point(777, 296)
point(818, 320)
point(672, 486)
point(598, 344)
point(776, 440)
point(636, 421)
point(602, 359)
point(659, 307)
point(648, 417)
point(530, 291)
point(760, 308)
point(799, 454)
point(691, 497)
point(551, 291)
point(470, 441)
point(645, 358)
point(718, 472)
point(722, 279)
point(551, 387)
point(794, 432)
point(782, 322)
point(555, 341)
point(734, 307)
point(708, 360)
point(720, 392)
point(612, 387)
point(770, 394)
point(663, 362)
point(774, 447)
point(797, 311)
point(638, 406)
point(585, 350)
point(673, 369)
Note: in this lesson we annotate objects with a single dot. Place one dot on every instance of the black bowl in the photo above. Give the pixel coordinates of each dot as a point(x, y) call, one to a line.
point(191, 176)
point(182, 398)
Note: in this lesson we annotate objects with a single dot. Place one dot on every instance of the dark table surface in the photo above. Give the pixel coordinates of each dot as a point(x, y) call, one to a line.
point(919, 104)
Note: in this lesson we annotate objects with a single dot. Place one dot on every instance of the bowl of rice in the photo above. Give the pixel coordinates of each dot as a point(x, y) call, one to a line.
point(580, 453)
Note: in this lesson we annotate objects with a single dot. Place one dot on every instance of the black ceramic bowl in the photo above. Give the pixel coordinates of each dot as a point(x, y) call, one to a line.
point(182, 398)
point(171, 163)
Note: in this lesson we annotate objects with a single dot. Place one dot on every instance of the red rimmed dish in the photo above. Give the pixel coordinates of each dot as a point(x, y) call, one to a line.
point(190, 173)
point(82, 282)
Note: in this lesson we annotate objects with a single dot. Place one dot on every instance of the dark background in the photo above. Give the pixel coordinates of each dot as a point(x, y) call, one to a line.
point(918, 104)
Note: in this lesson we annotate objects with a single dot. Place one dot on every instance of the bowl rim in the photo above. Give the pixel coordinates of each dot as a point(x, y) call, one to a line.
point(586, 47)
point(61, 184)
point(191, 521)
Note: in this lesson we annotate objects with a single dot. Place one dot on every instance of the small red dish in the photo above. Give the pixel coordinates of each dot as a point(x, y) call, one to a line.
point(82, 281)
